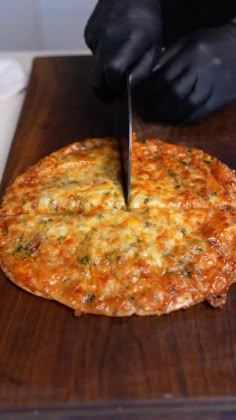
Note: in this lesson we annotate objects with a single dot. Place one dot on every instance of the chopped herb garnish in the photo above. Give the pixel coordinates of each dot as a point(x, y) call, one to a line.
point(24, 250)
point(229, 208)
point(199, 249)
point(109, 255)
point(184, 231)
point(169, 254)
point(85, 260)
point(44, 221)
point(19, 248)
point(147, 200)
point(210, 240)
point(209, 196)
point(170, 172)
point(200, 193)
point(60, 238)
point(184, 162)
point(89, 298)
point(28, 253)
point(177, 187)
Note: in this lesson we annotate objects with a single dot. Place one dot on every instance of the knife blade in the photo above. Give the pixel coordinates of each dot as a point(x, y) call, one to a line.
point(124, 134)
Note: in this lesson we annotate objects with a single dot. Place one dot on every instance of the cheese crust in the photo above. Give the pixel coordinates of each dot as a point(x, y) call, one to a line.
point(174, 247)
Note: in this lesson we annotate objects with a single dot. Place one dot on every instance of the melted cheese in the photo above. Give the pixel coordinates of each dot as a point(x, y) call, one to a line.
point(65, 233)
point(158, 262)
point(80, 178)
point(178, 176)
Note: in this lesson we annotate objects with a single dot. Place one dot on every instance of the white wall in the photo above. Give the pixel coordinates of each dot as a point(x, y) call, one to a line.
point(43, 24)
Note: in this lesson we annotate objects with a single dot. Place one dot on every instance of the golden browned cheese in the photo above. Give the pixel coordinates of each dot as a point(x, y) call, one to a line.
point(81, 177)
point(66, 235)
point(178, 176)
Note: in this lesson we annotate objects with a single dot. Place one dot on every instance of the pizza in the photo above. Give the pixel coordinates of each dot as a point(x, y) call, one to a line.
point(67, 235)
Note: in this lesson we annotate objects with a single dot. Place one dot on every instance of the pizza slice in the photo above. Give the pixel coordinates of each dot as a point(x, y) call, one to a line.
point(82, 177)
point(171, 175)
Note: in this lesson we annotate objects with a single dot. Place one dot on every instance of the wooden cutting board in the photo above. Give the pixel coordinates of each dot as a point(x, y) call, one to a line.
point(94, 366)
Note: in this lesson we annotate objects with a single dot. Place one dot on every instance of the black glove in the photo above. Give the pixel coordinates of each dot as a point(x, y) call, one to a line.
point(194, 77)
point(124, 35)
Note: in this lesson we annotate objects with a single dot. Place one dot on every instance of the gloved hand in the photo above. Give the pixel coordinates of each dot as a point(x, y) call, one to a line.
point(124, 35)
point(194, 77)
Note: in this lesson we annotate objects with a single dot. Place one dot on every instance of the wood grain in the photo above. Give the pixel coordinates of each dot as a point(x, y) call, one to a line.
point(94, 366)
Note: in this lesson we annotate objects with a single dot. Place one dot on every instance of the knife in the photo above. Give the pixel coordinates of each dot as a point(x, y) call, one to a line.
point(124, 134)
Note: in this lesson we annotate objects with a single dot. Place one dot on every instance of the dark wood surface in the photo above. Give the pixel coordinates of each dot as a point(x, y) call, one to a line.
point(94, 366)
